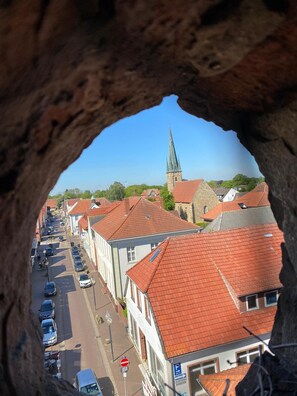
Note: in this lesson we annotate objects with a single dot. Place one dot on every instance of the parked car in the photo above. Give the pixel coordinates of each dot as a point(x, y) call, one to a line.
point(78, 266)
point(74, 249)
point(87, 383)
point(49, 251)
point(62, 223)
point(47, 310)
point(76, 256)
point(50, 289)
point(85, 280)
point(50, 333)
point(61, 238)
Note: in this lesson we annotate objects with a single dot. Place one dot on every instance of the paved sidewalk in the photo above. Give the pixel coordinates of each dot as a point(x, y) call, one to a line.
point(100, 303)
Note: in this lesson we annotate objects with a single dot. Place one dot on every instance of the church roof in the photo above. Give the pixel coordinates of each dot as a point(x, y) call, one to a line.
point(173, 164)
point(184, 191)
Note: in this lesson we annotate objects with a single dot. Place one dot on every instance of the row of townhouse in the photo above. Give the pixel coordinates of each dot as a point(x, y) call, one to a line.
point(188, 296)
point(190, 300)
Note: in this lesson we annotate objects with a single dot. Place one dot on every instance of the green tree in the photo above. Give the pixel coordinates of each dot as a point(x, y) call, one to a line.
point(100, 193)
point(168, 200)
point(86, 194)
point(115, 192)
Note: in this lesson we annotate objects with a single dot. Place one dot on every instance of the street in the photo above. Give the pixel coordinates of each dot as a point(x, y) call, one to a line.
point(79, 341)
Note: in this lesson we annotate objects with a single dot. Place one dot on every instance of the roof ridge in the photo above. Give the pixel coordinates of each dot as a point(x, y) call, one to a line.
point(130, 211)
point(166, 242)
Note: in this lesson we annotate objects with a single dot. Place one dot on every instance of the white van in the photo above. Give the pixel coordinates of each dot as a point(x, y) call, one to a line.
point(87, 383)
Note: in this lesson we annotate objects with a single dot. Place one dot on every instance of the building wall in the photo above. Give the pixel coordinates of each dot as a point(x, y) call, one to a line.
point(105, 264)
point(230, 196)
point(172, 178)
point(222, 354)
point(204, 198)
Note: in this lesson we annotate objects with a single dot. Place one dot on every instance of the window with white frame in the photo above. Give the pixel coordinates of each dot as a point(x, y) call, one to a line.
point(153, 245)
point(147, 310)
point(270, 298)
point(247, 356)
point(156, 369)
point(252, 302)
point(207, 367)
point(138, 293)
point(131, 254)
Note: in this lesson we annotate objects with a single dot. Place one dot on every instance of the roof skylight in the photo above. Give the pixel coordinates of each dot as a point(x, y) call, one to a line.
point(156, 254)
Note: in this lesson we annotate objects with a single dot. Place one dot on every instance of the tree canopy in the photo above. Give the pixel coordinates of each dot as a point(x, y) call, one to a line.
point(240, 181)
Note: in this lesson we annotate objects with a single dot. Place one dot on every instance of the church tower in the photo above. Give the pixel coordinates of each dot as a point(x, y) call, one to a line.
point(174, 172)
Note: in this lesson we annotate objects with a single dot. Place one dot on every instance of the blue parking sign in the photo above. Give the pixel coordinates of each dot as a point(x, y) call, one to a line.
point(177, 369)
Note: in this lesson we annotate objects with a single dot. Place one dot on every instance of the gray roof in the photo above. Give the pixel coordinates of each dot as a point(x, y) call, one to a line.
point(221, 190)
point(241, 218)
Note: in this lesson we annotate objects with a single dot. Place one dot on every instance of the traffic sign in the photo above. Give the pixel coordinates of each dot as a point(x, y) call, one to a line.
point(124, 362)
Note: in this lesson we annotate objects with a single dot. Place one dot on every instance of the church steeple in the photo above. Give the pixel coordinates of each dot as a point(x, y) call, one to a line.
point(174, 172)
point(173, 164)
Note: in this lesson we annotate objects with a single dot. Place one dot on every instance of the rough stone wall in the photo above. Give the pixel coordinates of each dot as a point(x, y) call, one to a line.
point(204, 196)
point(70, 68)
point(172, 178)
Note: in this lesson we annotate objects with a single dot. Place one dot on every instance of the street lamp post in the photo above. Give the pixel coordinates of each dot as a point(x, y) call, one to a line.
point(109, 322)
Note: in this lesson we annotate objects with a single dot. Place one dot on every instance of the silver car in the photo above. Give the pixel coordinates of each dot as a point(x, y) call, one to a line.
point(50, 333)
point(85, 280)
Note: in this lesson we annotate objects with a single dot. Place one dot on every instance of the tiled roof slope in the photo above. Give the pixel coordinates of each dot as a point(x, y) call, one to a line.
point(220, 208)
point(184, 191)
point(215, 384)
point(51, 203)
point(186, 285)
point(83, 223)
point(102, 210)
point(81, 207)
point(136, 217)
point(257, 197)
point(72, 201)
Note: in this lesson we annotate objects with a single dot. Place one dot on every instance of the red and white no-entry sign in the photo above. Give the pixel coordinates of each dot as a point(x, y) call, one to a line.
point(124, 362)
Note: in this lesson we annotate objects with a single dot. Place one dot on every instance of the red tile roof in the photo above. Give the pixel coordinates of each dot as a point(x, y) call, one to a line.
point(187, 281)
point(51, 203)
point(72, 201)
point(83, 223)
point(81, 207)
point(184, 191)
point(215, 384)
point(255, 198)
point(219, 208)
point(136, 217)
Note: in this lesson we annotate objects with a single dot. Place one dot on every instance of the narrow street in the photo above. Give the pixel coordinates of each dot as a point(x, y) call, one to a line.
point(78, 338)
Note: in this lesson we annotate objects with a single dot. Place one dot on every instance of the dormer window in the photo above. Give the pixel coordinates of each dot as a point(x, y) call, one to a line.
point(270, 298)
point(252, 302)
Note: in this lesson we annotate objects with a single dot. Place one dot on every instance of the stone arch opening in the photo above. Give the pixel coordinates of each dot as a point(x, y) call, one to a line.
point(69, 70)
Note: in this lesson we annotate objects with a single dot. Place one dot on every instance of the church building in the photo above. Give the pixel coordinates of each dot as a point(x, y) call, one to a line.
point(193, 198)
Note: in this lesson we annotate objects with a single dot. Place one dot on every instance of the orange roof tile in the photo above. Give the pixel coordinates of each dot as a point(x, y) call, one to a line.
point(184, 191)
point(186, 281)
point(72, 201)
point(221, 207)
point(81, 207)
point(135, 217)
point(215, 384)
point(257, 197)
point(83, 223)
point(51, 203)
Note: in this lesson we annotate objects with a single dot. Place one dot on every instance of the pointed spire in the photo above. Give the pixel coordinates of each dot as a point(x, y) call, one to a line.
point(173, 164)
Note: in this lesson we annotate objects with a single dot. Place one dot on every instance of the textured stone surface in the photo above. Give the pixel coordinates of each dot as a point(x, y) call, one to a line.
point(69, 68)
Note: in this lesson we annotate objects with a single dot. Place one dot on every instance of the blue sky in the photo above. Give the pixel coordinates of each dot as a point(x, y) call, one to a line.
point(134, 151)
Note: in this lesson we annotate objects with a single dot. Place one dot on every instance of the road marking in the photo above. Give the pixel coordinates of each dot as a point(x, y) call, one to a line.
point(100, 344)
